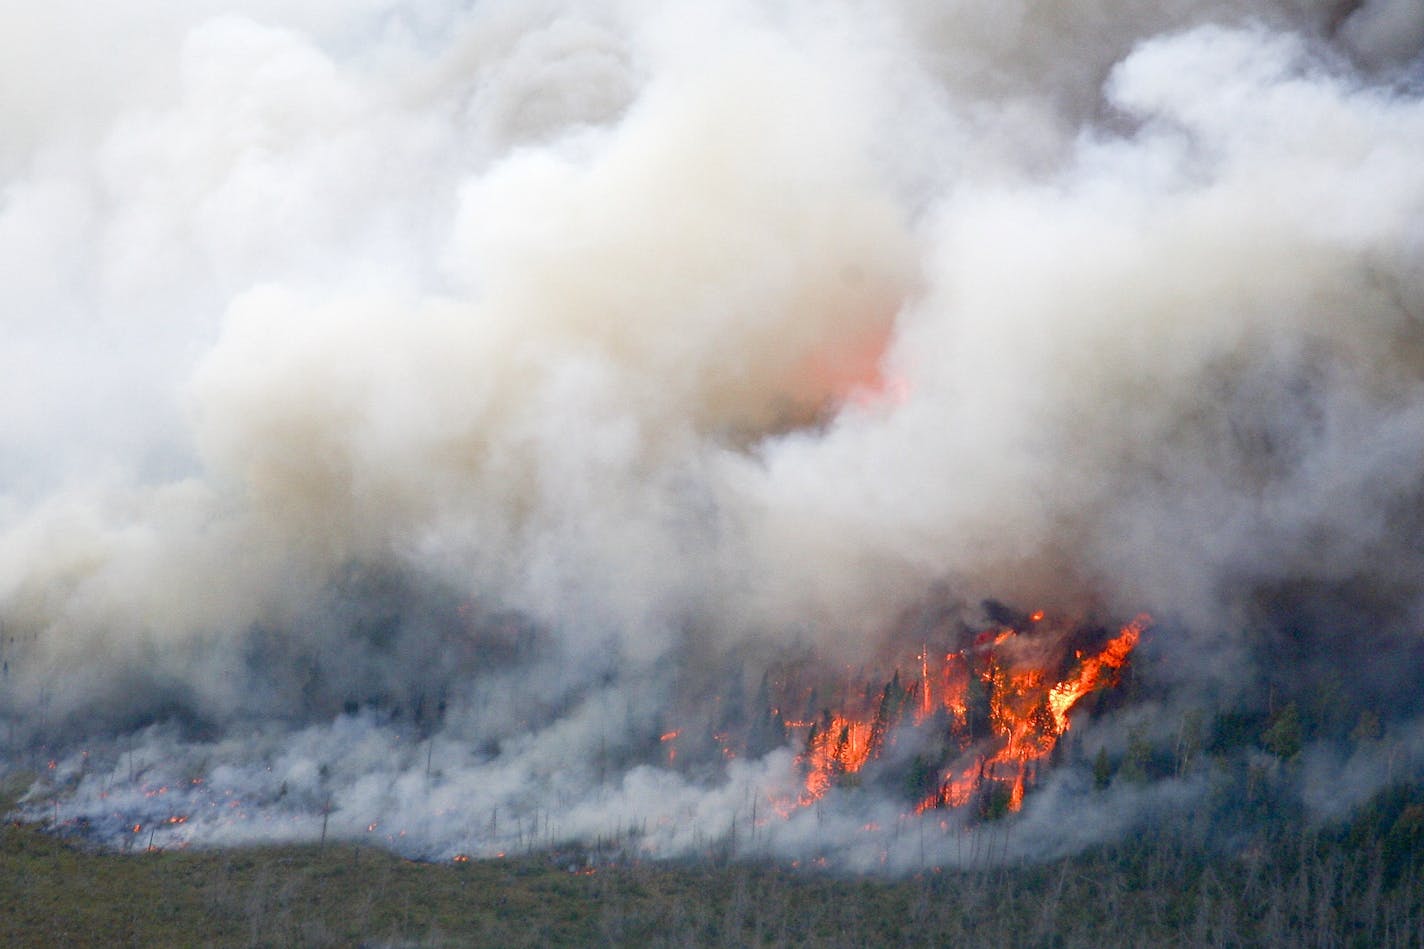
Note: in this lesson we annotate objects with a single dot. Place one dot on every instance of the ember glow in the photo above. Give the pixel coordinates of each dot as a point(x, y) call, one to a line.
point(669, 740)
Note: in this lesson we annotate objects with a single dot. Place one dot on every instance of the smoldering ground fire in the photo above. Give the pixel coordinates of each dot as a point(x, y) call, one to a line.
point(414, 412)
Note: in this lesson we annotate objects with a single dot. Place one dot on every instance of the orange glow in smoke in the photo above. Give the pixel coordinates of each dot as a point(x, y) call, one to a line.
point(668, 739)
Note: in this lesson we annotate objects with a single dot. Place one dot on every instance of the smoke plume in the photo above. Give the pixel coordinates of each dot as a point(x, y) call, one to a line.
point(413, 410)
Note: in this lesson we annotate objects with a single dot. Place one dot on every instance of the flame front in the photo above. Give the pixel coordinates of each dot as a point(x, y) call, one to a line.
point(837, 746)
point(1000, 707)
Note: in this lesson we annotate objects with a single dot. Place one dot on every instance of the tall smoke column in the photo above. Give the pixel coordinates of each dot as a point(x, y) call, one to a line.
point(418, 372)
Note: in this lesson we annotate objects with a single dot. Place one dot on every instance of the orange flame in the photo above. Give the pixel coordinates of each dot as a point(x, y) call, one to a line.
point(1028, 711)
point(837, 746)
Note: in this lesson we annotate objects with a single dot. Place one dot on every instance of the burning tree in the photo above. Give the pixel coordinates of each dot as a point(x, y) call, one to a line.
point(991, 713)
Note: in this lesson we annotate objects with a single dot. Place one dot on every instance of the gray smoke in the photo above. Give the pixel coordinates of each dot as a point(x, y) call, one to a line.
point(409, 406)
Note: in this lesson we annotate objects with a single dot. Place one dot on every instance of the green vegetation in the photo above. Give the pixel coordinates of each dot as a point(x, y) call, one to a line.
point(1360, 884)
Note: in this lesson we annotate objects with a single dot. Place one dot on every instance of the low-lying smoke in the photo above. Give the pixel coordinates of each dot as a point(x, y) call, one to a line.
point(414, 410)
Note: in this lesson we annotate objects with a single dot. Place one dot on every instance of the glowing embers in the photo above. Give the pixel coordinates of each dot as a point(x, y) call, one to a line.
point(983, 717)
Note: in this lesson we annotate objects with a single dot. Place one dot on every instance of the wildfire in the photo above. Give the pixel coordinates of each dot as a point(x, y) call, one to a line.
point(836, 746)
point(1001, 705)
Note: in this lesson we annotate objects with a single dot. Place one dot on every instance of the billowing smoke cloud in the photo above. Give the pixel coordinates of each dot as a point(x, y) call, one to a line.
point(412, 410)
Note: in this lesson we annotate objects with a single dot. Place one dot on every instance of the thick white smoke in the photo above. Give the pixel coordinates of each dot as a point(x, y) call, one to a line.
point(500, 367)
